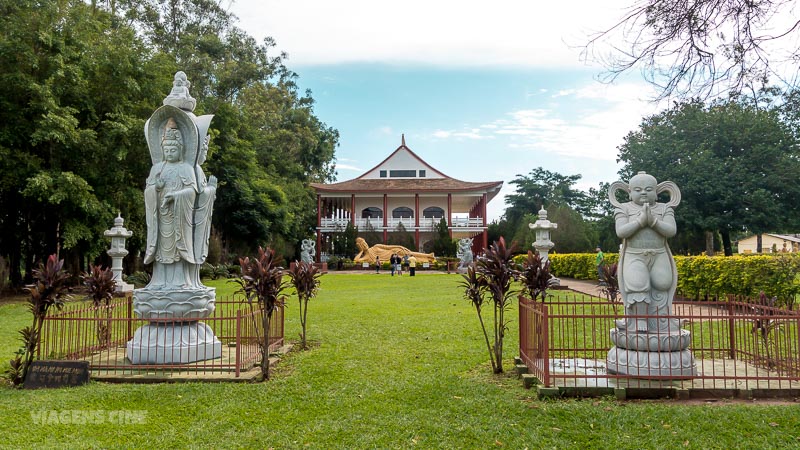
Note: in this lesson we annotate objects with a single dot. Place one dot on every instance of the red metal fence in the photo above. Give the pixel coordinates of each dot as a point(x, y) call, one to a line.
point(100, 334)
point(736, 345)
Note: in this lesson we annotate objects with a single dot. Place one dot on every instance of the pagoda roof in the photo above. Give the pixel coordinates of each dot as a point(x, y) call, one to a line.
point(407, 185)
point(439, 182)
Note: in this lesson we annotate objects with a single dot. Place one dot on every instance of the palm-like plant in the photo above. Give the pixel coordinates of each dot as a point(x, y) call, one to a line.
point(48, 290)
point(536, 276)
point(609, 282)
point(497, 270)
point(764, 326)
point(474, 289)
point(304, 277)
point(101, 285)
point(262, 284)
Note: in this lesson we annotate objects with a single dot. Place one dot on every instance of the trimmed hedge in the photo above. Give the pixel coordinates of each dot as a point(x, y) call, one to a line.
point(704, 276)
point(574, 265)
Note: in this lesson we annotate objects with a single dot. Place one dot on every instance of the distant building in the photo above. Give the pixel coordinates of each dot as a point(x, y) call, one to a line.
point(770, 242)
point(404, 189)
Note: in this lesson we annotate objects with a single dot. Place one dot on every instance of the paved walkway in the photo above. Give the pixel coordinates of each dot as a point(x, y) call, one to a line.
point(585, 286)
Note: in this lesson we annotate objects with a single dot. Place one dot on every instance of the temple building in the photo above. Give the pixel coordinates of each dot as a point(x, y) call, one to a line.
point(404, 193)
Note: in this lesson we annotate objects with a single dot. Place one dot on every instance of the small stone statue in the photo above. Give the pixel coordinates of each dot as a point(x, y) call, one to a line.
point(307, 251)
point(464, 253)
point(179, 95)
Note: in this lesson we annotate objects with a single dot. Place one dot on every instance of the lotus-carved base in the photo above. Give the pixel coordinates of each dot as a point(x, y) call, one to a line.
point(651, 342)
point(674, 365)
point(173, 343)
point(195, 303)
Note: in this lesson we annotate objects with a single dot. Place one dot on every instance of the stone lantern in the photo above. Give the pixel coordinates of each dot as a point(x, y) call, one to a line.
point(543, 244)
point(118, 235)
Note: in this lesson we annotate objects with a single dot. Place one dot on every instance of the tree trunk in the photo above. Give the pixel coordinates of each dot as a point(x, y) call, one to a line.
point(726, 242)
point(14, 260)
point(759, 243)
point(709, 243)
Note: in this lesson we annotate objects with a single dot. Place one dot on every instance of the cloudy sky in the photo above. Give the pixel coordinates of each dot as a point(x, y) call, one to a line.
point(483, 91)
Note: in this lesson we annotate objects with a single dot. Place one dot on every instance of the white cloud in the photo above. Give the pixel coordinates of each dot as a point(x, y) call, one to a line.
point(589, 122)
point(444, 32)
point(348, 167)
point(563, 93)
point(384, 130)
point(467, 133)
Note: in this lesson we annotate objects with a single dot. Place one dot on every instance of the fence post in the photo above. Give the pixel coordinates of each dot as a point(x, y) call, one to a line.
point(731, 330)
point(238, 342)
point(797, 350)
point(129, 300)
point(522, 337)
point(546, 346)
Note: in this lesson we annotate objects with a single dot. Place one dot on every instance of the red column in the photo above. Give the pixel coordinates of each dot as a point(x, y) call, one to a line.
point(385, 218)
point(485, 239)
point(385, 213)
point(416, 210)
point(319, 245)
point(450, 214)
point(353, 209)
point(416, 221)
point(483, 206)
point(319, 224)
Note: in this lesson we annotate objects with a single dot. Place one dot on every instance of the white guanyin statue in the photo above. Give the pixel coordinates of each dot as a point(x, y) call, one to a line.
point(178, 207)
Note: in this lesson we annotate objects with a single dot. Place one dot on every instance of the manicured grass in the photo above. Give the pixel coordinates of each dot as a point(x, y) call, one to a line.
point(398, 362)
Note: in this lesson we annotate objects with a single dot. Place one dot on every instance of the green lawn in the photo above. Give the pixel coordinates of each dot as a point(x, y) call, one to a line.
point(399, 362)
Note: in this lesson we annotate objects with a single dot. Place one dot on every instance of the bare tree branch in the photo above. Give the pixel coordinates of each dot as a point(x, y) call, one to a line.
point(701, 48)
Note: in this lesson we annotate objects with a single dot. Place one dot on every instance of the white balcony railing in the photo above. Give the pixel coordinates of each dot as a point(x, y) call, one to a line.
point(470, 222)
point(425, 223)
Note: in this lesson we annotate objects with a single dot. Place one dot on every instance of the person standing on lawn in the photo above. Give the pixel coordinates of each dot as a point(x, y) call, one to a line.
point(598, 262)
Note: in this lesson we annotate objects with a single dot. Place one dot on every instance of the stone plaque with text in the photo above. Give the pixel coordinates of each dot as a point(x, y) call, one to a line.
point(55, 374)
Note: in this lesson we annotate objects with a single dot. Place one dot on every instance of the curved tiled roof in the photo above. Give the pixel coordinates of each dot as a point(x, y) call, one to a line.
point(406, 185)
point(443, 185)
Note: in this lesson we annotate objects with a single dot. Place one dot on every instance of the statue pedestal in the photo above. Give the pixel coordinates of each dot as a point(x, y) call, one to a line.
point(173, 343)
point(182, 341)
point(649, 355)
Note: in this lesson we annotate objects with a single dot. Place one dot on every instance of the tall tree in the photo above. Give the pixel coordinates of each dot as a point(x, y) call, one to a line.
point(79, 79)
point(73, 84)
point(268, 144)
point(702, 48)
point(735, 163)
point(542, 188)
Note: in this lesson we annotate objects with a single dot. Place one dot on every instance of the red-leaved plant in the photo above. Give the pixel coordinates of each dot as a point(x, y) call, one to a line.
point(492, 274)
point(765, 326)
point(49, 289)
point(101, 285)
point(262, 284)
point(536, 276)
point(609, 282)
point(304, 277)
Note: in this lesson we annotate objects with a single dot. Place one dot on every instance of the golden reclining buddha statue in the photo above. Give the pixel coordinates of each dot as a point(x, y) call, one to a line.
point(385, 251)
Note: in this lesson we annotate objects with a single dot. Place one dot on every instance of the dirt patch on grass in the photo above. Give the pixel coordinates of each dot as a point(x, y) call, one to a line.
point(13, 298)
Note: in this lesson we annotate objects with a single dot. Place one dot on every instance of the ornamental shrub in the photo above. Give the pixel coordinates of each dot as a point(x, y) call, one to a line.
point(706, 277)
